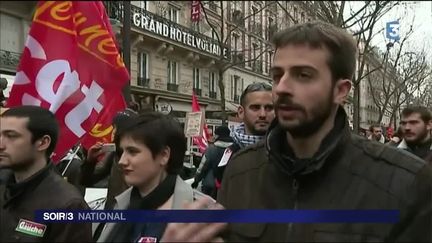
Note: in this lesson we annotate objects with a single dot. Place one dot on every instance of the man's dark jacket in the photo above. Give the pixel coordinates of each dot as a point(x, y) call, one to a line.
point(44, 190)
point(348, 172)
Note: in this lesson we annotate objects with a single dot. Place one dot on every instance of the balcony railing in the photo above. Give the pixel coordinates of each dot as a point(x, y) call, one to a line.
point(9, 58)
point(115, 11)
point(197, 91)
point(144, 82)
point(172, 87)
point(213, 94)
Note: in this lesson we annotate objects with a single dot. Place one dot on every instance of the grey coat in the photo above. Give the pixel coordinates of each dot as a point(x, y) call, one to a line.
point(183, 192)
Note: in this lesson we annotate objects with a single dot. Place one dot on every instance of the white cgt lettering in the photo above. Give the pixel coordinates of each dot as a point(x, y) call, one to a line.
point(46, 78)
point(82, 111)
point(69, 84)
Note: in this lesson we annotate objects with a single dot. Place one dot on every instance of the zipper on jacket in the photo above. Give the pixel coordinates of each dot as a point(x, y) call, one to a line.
point(295, 187)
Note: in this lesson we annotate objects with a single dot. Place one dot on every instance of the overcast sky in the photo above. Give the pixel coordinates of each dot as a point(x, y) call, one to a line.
point(419, 13)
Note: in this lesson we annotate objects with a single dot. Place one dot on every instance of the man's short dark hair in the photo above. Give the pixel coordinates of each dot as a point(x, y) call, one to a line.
point(318, 34)
point(41, 122)
point(254, 87)
point(122, 116)
point(157, 131)
point(424, 112)
point(371, 128)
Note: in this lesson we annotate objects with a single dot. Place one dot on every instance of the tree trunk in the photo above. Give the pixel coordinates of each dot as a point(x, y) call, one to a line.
point(356, 103)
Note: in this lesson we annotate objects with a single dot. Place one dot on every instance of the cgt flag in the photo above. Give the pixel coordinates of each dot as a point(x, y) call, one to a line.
point(202, 141)
point(71, 66)
point(195, 11)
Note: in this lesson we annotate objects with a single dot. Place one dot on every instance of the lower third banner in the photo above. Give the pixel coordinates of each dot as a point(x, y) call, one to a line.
point(228, 216)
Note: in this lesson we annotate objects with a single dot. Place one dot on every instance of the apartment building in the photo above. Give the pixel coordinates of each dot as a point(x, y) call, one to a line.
point(173, 56)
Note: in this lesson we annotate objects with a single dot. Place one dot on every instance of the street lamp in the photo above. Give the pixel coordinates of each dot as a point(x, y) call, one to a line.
point(122, 10)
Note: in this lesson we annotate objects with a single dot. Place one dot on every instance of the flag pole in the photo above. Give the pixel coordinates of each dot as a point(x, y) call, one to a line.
point(191, 152)
point(70, 160)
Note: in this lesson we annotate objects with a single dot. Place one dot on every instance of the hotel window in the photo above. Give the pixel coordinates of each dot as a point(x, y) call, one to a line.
point(173, 14)
point(235, 41)
point(140, 4)
point(196, 78)
point(142, 69)
point(254, 19)
point(213, 82)
point(214, 35)
point(234, 87)
point(142, 65)
point(172, 72)
point(196, 26)
point(249, 52)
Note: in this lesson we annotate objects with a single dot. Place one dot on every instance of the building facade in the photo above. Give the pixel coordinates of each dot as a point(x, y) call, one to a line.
point(171, 56)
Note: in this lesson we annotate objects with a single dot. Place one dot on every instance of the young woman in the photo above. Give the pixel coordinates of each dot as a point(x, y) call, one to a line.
point(151, 148)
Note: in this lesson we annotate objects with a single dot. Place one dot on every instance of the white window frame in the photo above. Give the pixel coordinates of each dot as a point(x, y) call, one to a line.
point(141, 64)
point(196, 77)
point(235, 41)
point(234, 86)
point(212, 82)
point(172, 10)
point(172, 65)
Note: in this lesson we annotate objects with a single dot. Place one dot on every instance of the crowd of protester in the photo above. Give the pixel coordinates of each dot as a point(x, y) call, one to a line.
point(293, 150)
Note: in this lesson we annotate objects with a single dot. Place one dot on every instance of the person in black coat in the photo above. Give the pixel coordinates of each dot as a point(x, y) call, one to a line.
point(210, 161)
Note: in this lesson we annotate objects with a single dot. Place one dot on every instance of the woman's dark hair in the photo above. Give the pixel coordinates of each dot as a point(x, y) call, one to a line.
point(157, 131)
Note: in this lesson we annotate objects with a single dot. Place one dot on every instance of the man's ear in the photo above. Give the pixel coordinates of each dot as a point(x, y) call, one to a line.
point(341, 91)
point(43, 143)
point(240, 112)
point(429, 126)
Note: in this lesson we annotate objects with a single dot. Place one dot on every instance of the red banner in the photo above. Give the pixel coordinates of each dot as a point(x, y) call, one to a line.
point(71, 66)
point(195, 11)
point(202, 141)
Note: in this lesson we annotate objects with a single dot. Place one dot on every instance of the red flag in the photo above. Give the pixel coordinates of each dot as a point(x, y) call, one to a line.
point(195, 11)
point(71, 66)
point(202, 141)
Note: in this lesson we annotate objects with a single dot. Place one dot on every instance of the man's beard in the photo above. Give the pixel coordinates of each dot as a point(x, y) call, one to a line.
point(311, 123)
point(420, 138)
point(255, 132)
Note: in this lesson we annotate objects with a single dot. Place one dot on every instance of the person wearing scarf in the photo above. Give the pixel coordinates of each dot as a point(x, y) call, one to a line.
point(256, 111)
point(151, 149)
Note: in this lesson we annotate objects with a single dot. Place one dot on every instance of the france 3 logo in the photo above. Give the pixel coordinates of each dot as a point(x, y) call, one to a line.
point(392, 30)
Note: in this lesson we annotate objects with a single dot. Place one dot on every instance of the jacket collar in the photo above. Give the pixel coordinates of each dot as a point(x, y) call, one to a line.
point(182, 192)
point(404, 145)
point(332, 145)
point(15, 190)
